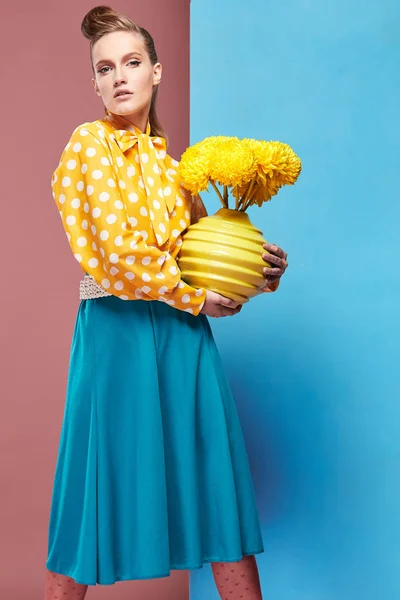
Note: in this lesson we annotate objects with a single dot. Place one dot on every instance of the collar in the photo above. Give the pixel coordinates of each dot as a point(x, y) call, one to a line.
point(150, 150)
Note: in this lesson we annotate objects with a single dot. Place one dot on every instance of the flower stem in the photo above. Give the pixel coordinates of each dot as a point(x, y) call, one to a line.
point(243, 198)
point(219, 194)
point(226, 195)
point(248, 203)
point(246, 195)
point(237, 199)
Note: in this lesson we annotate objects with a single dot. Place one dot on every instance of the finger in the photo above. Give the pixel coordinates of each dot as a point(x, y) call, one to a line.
point(273, 272)
point(269, 280)
point(275, 260)
point(274, 249)
point(228, 302)
point(228, 312)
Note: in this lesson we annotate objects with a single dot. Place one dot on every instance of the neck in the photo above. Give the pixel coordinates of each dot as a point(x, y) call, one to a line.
point(126, 122)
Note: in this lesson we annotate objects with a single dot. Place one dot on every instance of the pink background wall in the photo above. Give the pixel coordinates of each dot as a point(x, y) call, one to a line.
point(46, 93)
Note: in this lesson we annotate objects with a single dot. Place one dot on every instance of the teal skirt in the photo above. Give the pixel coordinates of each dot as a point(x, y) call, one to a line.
point(152, 471)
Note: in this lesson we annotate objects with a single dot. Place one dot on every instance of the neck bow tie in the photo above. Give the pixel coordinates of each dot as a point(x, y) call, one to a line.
point(160, 199)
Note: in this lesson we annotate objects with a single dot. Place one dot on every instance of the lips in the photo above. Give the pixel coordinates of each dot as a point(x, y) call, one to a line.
point(122, 93)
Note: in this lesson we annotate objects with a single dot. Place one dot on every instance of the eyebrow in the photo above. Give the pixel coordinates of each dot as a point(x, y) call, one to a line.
point(106, 60)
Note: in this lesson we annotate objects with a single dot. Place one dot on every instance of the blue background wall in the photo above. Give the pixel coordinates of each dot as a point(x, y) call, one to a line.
point(314, 367)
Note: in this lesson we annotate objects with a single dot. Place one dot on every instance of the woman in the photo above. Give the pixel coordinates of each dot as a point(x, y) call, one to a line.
point(152, 472)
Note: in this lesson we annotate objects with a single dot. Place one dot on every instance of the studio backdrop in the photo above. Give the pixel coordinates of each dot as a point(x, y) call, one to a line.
point(314, 367)
point(46, 93)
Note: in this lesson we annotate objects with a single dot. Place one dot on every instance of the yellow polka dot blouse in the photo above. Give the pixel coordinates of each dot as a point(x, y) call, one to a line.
point(124, 211)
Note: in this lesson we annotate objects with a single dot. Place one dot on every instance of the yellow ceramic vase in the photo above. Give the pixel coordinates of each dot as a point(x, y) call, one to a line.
point(223, 253)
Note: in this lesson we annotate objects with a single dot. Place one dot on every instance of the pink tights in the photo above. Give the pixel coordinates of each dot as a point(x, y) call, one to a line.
point(237, 580)
point(234, 580)
point(60, 587)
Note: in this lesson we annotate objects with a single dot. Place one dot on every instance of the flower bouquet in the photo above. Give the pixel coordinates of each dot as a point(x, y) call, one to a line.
point(223, 252)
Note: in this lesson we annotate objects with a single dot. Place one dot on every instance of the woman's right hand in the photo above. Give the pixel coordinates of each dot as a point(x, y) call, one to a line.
point(216, 306)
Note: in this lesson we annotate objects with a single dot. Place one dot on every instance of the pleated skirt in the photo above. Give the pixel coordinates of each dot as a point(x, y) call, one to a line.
point(152, 472)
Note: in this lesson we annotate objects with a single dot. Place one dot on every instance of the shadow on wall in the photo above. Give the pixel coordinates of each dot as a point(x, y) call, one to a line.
point(289, 411)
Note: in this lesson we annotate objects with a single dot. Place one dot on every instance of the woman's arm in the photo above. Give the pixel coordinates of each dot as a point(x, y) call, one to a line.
point(104, 239)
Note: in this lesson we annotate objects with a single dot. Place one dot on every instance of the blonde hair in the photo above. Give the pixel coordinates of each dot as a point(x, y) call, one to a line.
point(101, 20)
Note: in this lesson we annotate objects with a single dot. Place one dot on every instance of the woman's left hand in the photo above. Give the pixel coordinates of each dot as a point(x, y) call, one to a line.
point(277, 258)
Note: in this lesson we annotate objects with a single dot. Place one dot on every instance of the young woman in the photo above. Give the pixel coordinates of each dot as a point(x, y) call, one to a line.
point(152, 472)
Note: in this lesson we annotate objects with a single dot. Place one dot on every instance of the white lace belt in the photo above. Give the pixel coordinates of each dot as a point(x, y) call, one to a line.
point(90, 289)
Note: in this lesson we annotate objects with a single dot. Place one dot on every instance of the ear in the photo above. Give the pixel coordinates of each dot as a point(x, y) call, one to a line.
point(96, 89)
point(157, 72)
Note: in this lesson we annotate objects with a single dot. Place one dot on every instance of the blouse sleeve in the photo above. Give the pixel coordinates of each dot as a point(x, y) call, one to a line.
point(102, 236)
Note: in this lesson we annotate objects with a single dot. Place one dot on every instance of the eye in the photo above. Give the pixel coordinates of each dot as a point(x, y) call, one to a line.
point(131, 62)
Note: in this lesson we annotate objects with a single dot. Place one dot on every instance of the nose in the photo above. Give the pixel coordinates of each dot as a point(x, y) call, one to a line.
point(119, 78)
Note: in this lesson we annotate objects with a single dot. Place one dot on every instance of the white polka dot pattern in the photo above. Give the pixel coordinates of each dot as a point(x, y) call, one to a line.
point(106, 214)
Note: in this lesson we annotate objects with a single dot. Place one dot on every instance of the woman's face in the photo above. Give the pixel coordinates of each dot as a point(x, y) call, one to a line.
point(121, 62)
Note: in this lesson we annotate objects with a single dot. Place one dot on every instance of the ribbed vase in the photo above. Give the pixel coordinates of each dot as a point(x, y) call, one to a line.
point(223, 253)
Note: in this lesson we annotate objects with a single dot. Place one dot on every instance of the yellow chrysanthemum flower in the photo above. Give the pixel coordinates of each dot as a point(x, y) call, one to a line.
point(278, 165)
point(286, 163)
point(232, 163)
point(254, 169)
point(275, 159)
point(194, 167)
point(264, 193)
